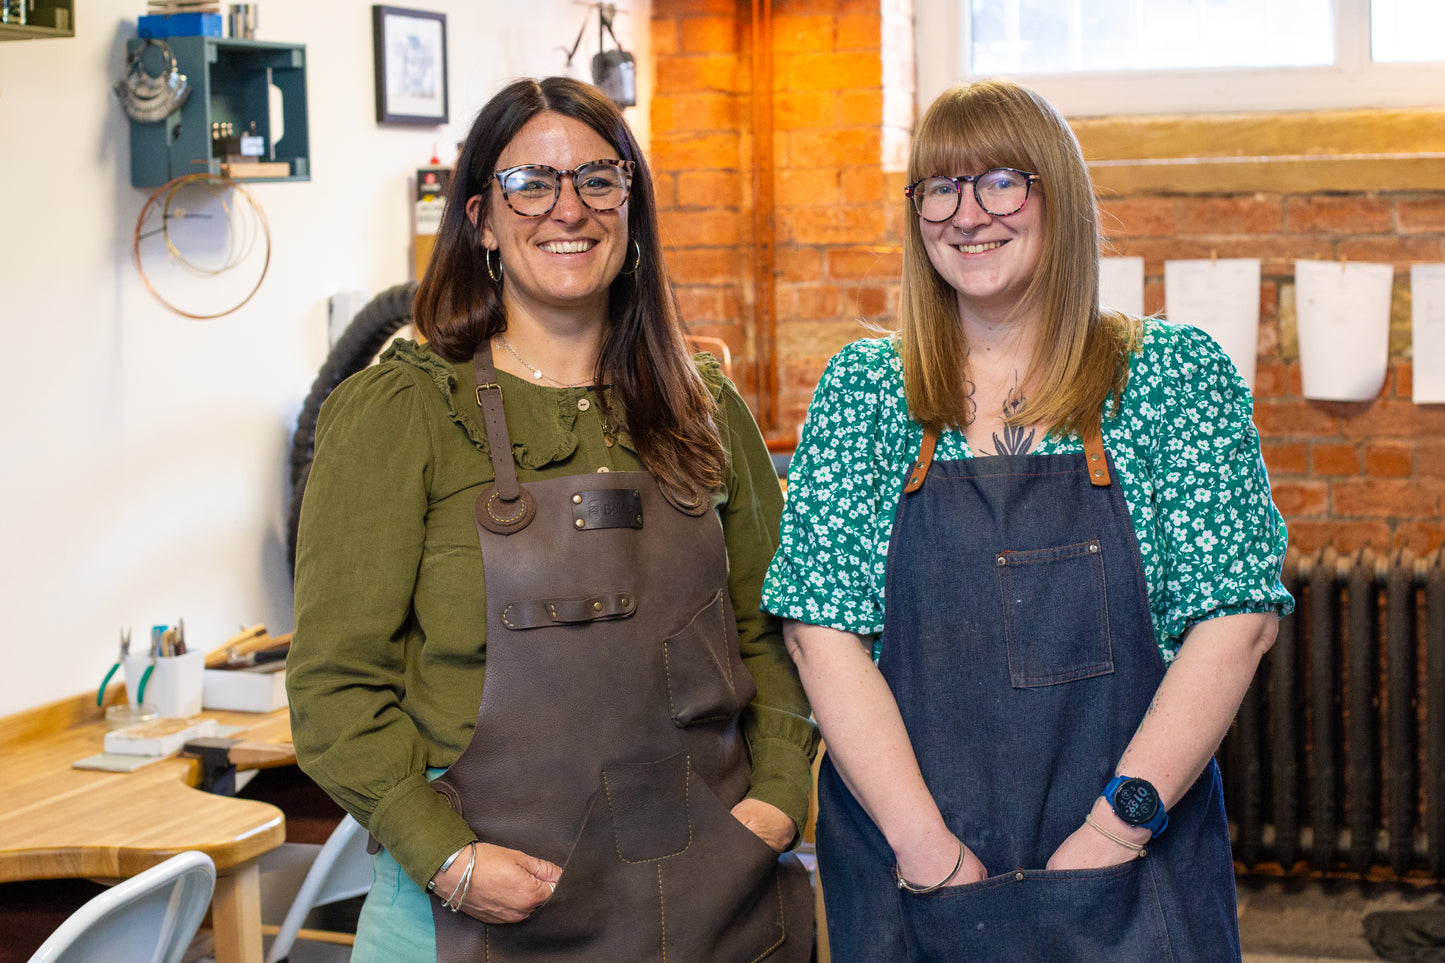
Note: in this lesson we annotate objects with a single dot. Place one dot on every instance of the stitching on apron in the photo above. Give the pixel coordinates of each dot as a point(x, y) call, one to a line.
point(722, 664)
point(662, 908)
point(782, 918)
point(512, 518)
point(687, 802)
point(1163, 919)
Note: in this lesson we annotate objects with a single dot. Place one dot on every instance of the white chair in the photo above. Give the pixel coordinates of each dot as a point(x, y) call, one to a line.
point(338, 870)
point(149, 918)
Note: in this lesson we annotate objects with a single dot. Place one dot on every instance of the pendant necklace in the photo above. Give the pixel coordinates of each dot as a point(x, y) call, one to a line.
point(608, 437)
point(536, 371)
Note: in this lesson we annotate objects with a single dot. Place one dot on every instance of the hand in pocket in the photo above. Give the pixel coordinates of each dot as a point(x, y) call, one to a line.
point(767, 822)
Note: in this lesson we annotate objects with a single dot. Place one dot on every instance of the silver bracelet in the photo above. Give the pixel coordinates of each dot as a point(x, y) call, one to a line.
point(431, 884)
point(922, 890)
point(1136, 847)
point(459, 894)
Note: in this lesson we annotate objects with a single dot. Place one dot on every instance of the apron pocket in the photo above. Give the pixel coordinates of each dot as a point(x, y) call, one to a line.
point(1055, 614)
point(699, 661)
point(1042, 915)
point(722, 900)
point(649, 806)
point(603, 909)
point(718, 899)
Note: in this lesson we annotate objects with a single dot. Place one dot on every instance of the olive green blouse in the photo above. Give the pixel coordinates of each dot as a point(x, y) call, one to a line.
point(389, 649)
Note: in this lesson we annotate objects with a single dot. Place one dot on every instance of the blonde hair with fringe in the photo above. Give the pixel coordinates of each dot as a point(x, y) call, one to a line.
point(1080, 355)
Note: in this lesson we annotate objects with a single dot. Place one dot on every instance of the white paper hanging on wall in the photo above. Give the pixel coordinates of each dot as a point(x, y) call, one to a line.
point(1121, 284)
point(1427, 338)
point(1221, 297)
point(1344, 328)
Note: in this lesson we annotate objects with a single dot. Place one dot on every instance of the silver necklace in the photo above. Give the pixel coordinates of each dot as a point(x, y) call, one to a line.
point(536, 371)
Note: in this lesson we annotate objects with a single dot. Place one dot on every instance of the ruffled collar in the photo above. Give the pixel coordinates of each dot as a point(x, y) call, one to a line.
point(540, 418)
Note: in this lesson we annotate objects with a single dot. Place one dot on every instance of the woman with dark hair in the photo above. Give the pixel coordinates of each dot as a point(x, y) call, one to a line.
point(599, 750)
point(1030, 564)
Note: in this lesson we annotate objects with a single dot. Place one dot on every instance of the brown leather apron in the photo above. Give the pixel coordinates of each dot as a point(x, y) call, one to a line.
point(607, 739)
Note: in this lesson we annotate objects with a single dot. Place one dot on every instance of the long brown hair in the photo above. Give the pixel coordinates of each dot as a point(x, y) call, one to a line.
point(1080, 355)
point(667, 406)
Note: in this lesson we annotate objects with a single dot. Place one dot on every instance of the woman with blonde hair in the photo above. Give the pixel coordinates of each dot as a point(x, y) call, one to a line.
point(1029, 565)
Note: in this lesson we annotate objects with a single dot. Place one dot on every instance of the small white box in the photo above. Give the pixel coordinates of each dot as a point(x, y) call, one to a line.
point(159, 737)
point(245, 690)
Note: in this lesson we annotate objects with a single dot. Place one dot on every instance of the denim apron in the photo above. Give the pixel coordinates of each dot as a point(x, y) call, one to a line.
point(1019, 644)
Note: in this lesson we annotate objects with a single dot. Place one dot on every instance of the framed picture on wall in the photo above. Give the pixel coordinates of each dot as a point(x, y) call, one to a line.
point(410, 47)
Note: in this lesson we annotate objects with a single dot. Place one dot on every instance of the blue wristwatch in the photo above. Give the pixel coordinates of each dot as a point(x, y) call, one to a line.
point(1137, 803)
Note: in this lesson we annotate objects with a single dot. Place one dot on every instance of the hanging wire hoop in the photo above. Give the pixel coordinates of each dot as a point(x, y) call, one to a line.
point(238, 249)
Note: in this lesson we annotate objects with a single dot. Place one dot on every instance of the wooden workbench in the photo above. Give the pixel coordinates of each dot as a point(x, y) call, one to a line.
point(58, 822)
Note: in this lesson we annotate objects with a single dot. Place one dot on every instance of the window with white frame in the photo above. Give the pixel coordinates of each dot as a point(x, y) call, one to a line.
point(1094, 57)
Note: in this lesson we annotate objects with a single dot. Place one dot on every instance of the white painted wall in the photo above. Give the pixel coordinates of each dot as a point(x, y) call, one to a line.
point(142, 455)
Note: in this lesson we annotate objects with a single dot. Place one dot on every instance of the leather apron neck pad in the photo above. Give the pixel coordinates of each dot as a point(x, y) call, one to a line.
point(1094, 457)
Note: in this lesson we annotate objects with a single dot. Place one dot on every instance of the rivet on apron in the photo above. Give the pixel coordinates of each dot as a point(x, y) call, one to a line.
point(583, 404)
point(576, 499)
point(1093, 546)
point(1018, 876)
point(1098, 472)
point(1093, 456)
point(581, 523)
point(626, 601)
point(1002, 561)
point(639, 519)
point(597, 606)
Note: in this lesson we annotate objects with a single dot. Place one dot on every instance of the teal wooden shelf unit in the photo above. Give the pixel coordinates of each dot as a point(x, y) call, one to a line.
point(44, 19)
point(230, 83)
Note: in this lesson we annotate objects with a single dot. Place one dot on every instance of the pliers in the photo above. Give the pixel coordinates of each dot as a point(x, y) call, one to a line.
point(119, 661)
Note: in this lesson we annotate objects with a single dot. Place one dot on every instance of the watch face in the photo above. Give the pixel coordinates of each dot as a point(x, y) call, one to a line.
point(1136, 802)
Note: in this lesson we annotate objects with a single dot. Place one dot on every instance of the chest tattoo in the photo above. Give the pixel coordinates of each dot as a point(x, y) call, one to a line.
point(1016, 439)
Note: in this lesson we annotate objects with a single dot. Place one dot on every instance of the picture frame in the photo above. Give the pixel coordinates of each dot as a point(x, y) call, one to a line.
point(410, 51)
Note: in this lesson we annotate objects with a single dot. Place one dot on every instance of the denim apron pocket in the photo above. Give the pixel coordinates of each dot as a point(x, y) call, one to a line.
point(1042, 915)
point(1055, 614)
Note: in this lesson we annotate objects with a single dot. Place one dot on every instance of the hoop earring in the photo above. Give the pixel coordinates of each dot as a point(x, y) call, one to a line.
point(637, 261)
point(487, 260)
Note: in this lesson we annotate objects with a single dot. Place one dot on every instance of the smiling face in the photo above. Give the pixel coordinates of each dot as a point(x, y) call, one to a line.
point(564, 261)
point(988, 260)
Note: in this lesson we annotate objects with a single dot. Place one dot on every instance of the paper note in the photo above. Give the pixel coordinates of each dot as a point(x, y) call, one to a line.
point(1121, 284)
point(1222, 298)
point(1344, 328)
point(1427, 298)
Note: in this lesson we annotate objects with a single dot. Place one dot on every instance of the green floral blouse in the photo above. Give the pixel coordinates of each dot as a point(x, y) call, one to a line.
point(1184, 448)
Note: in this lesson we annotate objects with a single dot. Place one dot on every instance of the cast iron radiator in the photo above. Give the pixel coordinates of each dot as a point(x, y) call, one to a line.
point(1336, 761)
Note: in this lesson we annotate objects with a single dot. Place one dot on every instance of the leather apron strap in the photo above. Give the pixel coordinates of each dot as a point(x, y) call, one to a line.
point(1095, 459)
point(919, 473)
point(504, 506)
point(1098, 464)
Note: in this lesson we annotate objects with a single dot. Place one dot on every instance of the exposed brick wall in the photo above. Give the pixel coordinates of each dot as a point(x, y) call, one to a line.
point(1344, 474)
point(842, 106)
